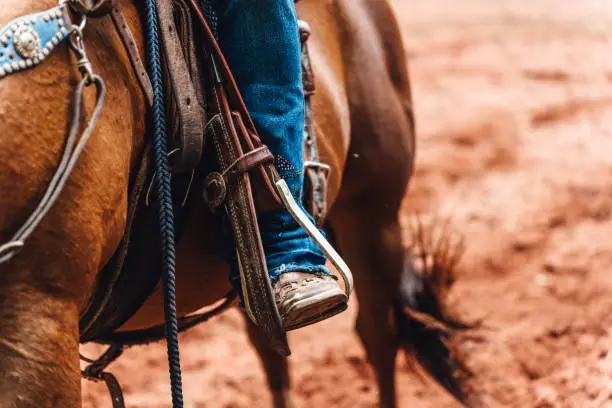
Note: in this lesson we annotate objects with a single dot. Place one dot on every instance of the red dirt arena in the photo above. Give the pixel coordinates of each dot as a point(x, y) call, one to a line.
point(513, 103)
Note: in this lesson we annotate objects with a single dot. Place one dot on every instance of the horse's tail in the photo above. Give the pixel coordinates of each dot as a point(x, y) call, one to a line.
point(425, 328)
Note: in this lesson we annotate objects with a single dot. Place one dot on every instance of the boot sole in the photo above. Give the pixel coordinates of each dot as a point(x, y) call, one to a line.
point(315, 309)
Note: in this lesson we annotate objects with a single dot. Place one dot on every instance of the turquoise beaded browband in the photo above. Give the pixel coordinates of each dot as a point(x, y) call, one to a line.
point(27, 41)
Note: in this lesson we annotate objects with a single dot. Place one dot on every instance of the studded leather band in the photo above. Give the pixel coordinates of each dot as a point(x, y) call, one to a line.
point(27, 41)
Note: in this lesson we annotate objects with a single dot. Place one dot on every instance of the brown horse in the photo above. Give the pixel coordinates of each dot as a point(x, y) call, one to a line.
point(364, 117)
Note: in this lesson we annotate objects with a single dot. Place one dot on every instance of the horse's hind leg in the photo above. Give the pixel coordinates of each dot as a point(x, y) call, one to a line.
point(39, 364)
point(370, 240)
point(276, 367)
point(365, 217)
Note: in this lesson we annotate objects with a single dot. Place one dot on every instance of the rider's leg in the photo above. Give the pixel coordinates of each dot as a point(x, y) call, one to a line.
point(260, 39)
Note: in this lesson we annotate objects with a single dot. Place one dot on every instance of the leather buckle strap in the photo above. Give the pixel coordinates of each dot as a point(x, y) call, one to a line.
point(249, 160)
point(215, 185)
point(129, 44)
point(95, 372)
point(190, 113)
point(233, 132)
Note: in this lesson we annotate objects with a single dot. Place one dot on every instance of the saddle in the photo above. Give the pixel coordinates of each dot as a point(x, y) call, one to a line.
point(203, 104)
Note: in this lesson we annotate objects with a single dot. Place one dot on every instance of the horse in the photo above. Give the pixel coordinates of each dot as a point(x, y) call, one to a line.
point(364, 118)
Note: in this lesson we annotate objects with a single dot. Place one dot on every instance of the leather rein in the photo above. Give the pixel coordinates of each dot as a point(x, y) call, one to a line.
point(33, 38)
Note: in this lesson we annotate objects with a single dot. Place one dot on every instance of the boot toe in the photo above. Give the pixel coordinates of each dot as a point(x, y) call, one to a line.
point(304, 299)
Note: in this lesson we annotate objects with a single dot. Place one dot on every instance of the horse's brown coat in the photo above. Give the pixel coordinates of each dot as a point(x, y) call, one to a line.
point(363, 114)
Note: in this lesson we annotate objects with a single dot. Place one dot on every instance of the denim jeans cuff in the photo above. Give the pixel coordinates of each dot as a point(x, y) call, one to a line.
point(276, 272)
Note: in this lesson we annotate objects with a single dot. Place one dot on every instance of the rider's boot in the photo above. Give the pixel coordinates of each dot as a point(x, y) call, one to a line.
point(260, 40)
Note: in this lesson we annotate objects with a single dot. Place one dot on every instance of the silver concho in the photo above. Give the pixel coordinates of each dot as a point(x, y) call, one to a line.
point(26, 42)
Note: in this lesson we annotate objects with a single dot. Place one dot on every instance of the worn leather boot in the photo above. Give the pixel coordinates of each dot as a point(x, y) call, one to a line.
point(305, 298)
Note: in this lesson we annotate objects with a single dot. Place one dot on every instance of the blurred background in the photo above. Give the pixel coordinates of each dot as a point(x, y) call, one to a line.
point(513, 104)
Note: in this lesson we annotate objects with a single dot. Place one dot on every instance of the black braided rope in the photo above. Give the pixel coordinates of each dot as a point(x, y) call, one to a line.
point(209, 9)
point(164, 201)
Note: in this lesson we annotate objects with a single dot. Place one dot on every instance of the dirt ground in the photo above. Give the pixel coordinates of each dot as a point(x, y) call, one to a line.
point(514, 112)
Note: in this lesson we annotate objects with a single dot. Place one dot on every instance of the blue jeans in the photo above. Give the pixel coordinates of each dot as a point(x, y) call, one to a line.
point(260, 39)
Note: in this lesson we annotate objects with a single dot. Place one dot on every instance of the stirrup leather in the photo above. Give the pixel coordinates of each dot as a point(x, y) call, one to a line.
point(247, 182)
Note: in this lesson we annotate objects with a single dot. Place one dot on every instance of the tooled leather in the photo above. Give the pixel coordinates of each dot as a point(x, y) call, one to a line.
point(243, 209)
point(238, 210)
point(266, 196)
point(240, 207)
point(215, 184)
point(191, 114)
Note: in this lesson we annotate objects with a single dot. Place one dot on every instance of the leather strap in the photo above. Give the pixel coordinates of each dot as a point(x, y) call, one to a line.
point(157, 333)
point(132, 51)
point(191, 114)
point(316, 174)
point(266, 196)
point(233, 133)
point(92, 321)
point(114, 389)
point(227, 132)
point(307, 71)
point(191, 47)
point(100, 8)
point(215, 185)
point(248, 161)
point(95, 371)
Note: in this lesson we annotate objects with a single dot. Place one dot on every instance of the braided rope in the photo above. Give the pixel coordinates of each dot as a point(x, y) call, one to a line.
point(209, 10)
point(164, 201)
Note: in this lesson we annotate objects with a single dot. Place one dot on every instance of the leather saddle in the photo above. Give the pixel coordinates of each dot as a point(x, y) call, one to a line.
point(195, 70)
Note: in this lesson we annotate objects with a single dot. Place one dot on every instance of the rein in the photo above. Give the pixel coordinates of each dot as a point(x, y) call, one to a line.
point(23, 35)
point(71, 155)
